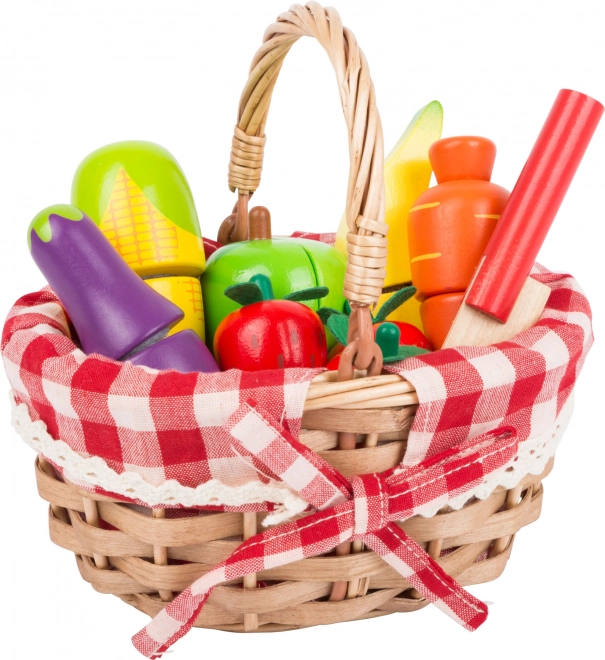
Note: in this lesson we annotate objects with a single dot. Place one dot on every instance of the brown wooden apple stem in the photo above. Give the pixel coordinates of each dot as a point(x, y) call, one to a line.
point(259, 223)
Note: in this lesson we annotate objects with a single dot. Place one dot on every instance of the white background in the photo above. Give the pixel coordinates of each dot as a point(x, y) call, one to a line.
point(77, 75)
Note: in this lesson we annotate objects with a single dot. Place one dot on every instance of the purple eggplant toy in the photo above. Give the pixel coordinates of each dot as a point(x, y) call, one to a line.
point(112, 309)
point(184, 351)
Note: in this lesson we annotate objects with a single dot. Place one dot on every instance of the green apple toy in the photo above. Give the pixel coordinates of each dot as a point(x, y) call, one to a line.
point(292, 264)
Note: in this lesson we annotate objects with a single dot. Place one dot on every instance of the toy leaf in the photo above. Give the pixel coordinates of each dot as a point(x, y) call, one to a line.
point(244, 293)
point(314, 293)
point(339, 327)
point(405, 352)
point(324, 313)
point(395, 301)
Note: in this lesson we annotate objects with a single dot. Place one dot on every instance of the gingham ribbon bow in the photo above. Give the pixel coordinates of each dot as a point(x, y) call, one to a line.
point(365, 507)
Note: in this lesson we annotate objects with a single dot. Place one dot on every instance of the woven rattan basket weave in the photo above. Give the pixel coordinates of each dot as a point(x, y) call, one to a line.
point(146, 559)
point(374, 589)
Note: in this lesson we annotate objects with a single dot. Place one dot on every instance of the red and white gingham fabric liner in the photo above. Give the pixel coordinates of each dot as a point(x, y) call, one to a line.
point(162, 425)
point(523, 382)
point(168, 425)
point(365, 508)
point(328, 238)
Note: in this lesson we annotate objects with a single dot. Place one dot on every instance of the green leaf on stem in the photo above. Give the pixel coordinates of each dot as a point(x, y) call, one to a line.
point(324, 313)
point(339, 327)
point(245, 293)
point(395, 301)
point(313, 293)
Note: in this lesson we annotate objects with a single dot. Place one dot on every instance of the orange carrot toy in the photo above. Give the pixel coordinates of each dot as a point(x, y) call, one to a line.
point(449, 226)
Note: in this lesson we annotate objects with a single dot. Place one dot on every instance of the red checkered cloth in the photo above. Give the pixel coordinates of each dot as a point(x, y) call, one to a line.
point(168, 425)
point(329, 238)
point(161, 425)
point(523, 382)
point(364, 508)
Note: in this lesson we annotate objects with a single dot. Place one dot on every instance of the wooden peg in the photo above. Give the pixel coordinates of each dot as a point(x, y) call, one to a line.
point(91, 514)
point(160, 554)
point(250, 530)
point(259, 223)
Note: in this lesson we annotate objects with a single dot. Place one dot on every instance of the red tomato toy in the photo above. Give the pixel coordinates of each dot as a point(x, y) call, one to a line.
point(334, 357)
point(270, 334)
point(410, 335)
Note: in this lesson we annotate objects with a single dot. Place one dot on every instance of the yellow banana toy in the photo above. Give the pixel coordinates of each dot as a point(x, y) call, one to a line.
point(407, 173)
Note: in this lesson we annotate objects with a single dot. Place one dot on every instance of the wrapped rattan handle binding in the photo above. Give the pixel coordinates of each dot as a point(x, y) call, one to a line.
point(367, 243)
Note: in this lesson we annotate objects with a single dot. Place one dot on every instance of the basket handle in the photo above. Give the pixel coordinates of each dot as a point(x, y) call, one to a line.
point(366, 240)
point(365, 191)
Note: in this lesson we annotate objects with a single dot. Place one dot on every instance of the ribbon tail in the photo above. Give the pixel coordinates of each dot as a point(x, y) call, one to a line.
point(452, 472)
point(424, 574)
point(172, 623)
point(323, 531)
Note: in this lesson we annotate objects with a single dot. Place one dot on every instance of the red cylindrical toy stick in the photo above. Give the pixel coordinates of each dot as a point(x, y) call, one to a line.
point(533, 203)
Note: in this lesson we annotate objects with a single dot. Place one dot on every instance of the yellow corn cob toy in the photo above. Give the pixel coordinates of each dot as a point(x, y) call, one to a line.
point(138, 195)
point(407, 173)
point(147, 239)
point(186, 292)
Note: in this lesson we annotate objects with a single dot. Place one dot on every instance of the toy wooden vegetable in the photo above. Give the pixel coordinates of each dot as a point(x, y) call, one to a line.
point(502, 300)
point(183, 351)
point(112, 309)
point(138, 195)
point(291, 264)
point(389, 337)
point(186, 293)
point(267, 333)
point(450, 225)
point(407, 173)
point(534, 202)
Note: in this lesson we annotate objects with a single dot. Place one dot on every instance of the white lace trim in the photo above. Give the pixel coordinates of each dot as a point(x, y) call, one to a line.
point(93, 471)
point(532, 457)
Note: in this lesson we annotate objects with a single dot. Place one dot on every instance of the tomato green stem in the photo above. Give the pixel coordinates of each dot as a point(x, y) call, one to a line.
point(387, 337)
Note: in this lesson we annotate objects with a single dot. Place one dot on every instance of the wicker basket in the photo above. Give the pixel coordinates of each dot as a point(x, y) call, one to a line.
point(298, 601)
point(130, 556)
